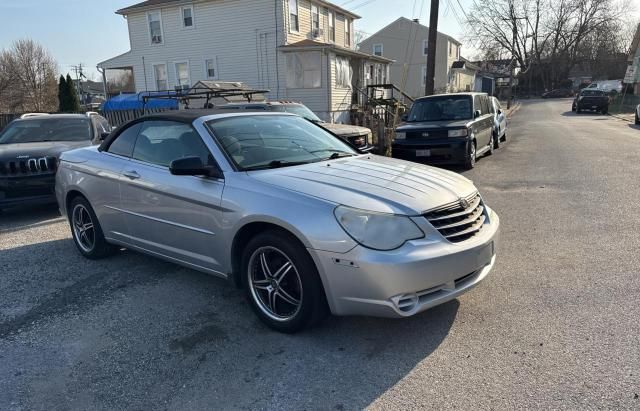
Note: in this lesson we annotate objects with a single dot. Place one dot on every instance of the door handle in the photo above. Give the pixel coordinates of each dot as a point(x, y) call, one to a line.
point(132, 174)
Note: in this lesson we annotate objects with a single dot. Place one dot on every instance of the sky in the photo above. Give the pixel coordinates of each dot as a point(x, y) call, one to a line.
point(89, 31)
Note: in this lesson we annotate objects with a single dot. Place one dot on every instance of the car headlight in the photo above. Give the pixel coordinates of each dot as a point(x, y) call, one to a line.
point(400, 135)
point(463, 132)
point(378, 231)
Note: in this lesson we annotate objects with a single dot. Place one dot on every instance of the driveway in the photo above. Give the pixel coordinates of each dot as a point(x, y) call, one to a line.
point(555, 325)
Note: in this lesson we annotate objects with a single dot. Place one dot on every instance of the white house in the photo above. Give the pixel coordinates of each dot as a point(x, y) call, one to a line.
point(406, 42)
point(299, 49)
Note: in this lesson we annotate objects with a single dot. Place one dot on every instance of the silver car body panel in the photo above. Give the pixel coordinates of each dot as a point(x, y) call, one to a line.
point(193, 220)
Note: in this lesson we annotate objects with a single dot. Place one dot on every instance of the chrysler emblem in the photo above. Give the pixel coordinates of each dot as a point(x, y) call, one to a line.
point(464, 203)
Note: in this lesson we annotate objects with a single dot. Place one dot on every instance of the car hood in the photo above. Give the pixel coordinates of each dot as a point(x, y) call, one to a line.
point(373, 183)
point(21, 151)
point(428, 125)
point(346, 130)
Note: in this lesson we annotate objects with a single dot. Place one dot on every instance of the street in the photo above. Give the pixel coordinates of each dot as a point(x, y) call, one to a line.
point(555, 325)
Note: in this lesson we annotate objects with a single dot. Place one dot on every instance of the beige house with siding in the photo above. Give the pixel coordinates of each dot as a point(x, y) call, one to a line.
point(300, 50)
point(406, 42)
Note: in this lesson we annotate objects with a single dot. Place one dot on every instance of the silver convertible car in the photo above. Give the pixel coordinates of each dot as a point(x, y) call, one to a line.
point(301, 220)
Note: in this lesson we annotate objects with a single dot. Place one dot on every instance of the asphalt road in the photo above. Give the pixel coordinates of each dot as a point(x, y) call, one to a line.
point(555, 325)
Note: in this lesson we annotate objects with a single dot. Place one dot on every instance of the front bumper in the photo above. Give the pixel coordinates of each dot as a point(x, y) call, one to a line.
point(403, 282)
point(440, 151)
point(29, 189)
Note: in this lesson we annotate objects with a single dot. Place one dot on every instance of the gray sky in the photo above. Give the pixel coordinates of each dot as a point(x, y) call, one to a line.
point(88, 31)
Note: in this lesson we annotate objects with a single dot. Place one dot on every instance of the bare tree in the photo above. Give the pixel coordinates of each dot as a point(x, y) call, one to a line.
point(27, 78)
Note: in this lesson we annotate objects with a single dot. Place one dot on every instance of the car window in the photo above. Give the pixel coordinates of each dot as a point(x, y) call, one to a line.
point(160, 142)
point(496, 103)
point(253, 142)
point(441, 108)
point(102, 125)
point(124, 142)
point(485, 105)
point(39, 129)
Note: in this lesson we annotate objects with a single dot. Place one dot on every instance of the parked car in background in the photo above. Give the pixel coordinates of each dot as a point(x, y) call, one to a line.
point(447, 129)
point(592, 100)
point(558, 93)
point(607, 85)
point(29, 152)
point(637, 116)
point(360, 137)
point(499, 122)
point(290, 212)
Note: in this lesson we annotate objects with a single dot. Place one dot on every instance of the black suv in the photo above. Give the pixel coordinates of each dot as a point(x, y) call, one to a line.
point(591, 99)
point(446, 129)
point(29, 152)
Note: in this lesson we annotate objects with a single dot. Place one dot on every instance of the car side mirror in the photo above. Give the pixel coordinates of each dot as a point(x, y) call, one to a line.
point(193, 166)
point(104, 135)
point(477, 114)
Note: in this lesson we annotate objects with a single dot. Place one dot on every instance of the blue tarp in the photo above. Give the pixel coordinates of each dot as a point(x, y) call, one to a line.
point(136, 101)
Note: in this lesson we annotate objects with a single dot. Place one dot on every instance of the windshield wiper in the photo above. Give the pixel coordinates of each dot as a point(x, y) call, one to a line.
point(276, 164)
point(336, 153)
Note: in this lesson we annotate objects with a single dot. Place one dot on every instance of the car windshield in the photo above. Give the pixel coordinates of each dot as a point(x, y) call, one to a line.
point(592, 93)
point(300, 110)
point(260, 142)
point(36, 130)
point(441, 109)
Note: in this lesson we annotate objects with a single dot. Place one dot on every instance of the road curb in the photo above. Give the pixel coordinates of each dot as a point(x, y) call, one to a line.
point(513, 110)
point(621, 117)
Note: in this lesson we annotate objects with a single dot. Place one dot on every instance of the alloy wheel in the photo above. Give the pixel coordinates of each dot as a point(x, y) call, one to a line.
point(275, 283)
point(472, 154)
point(83, 228)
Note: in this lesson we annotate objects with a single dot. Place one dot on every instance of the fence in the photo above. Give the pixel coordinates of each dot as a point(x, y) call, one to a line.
point(626, 103)
point(118, 117)
point(6, 119)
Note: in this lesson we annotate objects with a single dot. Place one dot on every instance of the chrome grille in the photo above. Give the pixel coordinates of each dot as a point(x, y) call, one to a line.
point(459, 221)
point(44, 165)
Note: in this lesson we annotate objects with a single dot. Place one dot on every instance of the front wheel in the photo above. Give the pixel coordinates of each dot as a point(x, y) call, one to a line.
point(282, 282)
point(470, 161)
point(605, 110)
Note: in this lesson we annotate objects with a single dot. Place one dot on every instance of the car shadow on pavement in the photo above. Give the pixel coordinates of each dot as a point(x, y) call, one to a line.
point(131, 331)
point(635, 126)
point(15, 218)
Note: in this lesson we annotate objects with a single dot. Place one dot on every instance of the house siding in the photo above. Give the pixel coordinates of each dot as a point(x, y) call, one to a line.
point(248, 55)
point(394, 39)
point(304, 19)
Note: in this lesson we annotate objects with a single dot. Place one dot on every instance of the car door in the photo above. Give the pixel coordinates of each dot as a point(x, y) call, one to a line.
point(114, 156)
point(174, 216)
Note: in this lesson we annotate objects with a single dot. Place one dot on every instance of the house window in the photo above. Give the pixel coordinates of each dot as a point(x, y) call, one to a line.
point(344, 72)
point(332, 25)
point(303, 70)
point(187, 16)
point(347, 32)
point(210, 68)
point(160, 74)
point(293, 16)
point(425, 47)
point(315, 21)
point(424, 76)
point(155, 27)
point(182, 75)
point(377, 49)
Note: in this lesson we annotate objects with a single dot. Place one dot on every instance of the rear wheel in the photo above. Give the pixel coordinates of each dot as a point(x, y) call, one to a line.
point(605, 110)
point(637, 119)
point(470, 161)
point(86, 230)
point(496, 140)
point(282, 282)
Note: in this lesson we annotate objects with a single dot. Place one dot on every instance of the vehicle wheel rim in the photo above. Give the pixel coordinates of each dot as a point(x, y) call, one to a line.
point(472, 154)
point(83, 228)
point(275, 283)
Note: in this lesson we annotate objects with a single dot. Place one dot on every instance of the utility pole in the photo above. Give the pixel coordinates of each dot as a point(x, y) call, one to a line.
point(429, 84)
point(79, 76)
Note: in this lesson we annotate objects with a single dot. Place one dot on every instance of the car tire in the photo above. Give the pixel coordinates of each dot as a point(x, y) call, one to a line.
point(637, 120)
point(470, 161)
point(282, 283)
point(578, 110)
point(605, 110)
point(496, 141)
point(504, 136)
point(86, 230)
